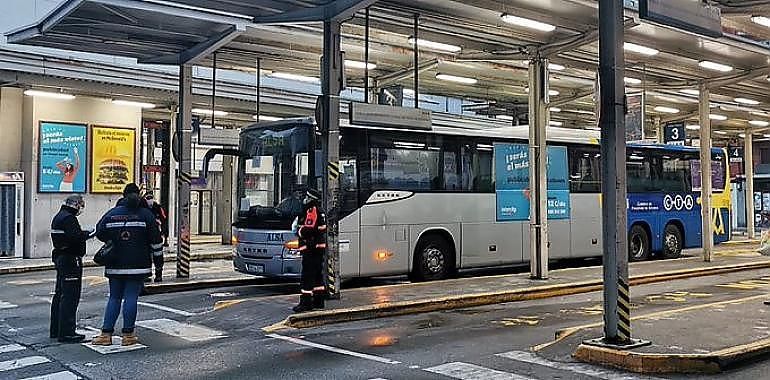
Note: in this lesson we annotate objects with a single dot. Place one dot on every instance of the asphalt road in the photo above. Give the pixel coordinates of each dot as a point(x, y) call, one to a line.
point(210, 334)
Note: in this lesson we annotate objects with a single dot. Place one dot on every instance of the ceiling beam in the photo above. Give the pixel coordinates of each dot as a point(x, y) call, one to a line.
point(338, 10)
point(199, 51)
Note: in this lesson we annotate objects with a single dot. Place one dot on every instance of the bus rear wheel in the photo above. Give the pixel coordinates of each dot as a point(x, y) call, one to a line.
point(433, 259)
point(672, 242)
point(638, 244)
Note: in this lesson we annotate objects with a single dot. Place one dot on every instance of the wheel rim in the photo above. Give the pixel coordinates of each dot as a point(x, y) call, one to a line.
point(433, 259)
point(637, 246)
point(672, 243)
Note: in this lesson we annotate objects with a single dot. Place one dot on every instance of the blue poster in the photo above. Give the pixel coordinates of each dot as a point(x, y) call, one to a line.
point(512, 182)
point(63, 158)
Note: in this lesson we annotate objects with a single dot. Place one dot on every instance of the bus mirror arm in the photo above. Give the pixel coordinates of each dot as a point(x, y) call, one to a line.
point(219, 152)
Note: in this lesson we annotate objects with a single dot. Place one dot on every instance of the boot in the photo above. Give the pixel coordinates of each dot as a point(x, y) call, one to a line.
point(318, 299)
point(305, 303)
point(74, 338)
point(129, 339)
point(103, 339)
point(158, 276)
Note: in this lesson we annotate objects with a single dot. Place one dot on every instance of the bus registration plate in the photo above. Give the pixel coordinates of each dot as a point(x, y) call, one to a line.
point(255, 268)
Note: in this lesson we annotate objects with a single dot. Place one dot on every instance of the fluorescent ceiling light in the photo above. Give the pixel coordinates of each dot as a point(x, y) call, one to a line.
point(759, 123)
point(693, 127)
point(555, 109)
point(720, 132)
point(715, 116)
point(435, 45)
point(359, 65)
point(690, 91)
point(201, 111)
point(747, 101)
point(555, 123)
point(761, 20)
point(663, 109)
point(52, 95)
point(527, 23)
point(630, 80)
point(550, 92)
point(456, 79)
point(766, 135)
point(644, 50)
point(742, 135)
point(130, 103)
point(715, 66)
point(504, 117)
point(267, 118)
point(593, 128)
point(555, 67)
point(296, 77)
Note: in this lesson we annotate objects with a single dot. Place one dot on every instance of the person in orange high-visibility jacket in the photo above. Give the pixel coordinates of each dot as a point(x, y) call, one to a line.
point(312, 246)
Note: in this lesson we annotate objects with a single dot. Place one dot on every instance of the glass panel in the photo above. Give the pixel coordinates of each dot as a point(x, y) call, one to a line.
point(676, 175)
point(642, 172)
point(585, 170)
point(477, 175)
point(405, 169)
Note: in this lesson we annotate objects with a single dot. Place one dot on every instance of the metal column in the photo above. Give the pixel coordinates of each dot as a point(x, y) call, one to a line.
point(538, 157)
point(705, 168)
point(225, 217)
point(748, 165)
point(331, 75)
point(184, 177)
point(617, 321)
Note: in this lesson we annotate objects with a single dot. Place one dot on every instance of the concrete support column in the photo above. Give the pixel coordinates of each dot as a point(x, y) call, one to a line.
point(705, 166)
point(184, 176)
point(659, 129)
point(748, 164)
point(538, 157)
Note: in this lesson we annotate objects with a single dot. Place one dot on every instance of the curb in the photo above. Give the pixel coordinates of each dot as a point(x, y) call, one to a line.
point(392, 309)
point(89, 263)
point(655, 363)
point(163, 288)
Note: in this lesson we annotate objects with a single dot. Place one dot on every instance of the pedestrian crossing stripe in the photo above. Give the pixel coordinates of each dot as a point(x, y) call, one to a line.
point(467, 371)
point(186, 331)
point(10, 365)
point(7, 305)
point(63, 375)
point(115, 348)
point(11, 348)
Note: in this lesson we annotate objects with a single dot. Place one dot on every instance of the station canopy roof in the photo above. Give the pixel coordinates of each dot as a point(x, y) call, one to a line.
point(478, 44)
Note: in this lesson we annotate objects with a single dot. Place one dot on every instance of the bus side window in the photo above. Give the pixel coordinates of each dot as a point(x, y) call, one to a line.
point(477, 168)
point(585, 170)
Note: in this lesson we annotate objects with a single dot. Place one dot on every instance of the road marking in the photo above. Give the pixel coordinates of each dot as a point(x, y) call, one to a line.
point(166, 308)
point(7, 305)
point(336, 350)
point(115, 347)
point(186, 331)
point(582, 369)
point(63, 375)
point(11, 348)
point(30, 282)
point(466, 371)
point(28, 361)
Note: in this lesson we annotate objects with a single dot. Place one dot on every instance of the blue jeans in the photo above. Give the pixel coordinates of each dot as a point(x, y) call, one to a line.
point(127, 292)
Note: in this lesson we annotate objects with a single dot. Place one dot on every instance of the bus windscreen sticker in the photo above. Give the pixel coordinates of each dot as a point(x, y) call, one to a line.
point(512, 182)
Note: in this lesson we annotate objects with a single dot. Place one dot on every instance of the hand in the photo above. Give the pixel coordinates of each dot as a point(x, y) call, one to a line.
point(75, 149)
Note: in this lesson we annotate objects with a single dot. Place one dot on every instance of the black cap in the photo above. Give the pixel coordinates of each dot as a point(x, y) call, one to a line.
point(131, 188)
point(314, 194)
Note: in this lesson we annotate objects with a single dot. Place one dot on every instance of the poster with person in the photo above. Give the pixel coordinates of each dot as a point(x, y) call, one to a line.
point(113, 156)
point(62, 157)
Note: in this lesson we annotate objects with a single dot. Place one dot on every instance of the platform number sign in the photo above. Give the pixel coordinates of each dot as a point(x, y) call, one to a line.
point(675, 134)
point(736, 154)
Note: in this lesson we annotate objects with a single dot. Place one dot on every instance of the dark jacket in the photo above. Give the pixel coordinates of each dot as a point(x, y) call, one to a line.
point(312, 229)
point(135, 237)
point(67, 236)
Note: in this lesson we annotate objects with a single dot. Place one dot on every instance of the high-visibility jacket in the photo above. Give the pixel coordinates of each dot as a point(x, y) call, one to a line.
point(135, 237)
point(312, 230)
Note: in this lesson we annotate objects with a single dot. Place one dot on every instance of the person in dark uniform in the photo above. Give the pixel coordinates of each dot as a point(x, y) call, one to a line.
point(162, 219)
point(69, 247)
point(312, 246)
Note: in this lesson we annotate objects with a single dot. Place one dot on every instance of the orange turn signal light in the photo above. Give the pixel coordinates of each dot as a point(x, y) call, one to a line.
point(292, 244)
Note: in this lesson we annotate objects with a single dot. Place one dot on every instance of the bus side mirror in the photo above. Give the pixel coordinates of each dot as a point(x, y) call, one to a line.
point(222, 152)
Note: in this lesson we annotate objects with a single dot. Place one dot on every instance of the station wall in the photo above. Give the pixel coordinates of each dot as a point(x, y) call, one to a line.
point(41, 207)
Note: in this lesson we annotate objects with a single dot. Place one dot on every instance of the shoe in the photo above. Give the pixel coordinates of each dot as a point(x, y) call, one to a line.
point(318, 300)
point(305, 304)
point(129, 339)
point(158, 278)
point(76, 338)
point(103, 339)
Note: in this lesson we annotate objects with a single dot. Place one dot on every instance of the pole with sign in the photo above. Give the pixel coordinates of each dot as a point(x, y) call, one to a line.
point(675, 134)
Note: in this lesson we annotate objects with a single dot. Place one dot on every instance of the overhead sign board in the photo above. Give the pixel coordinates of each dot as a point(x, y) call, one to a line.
point(691, 15)
point(219, 137)
point(736, 154)
point(675, 134)
point(379, 115)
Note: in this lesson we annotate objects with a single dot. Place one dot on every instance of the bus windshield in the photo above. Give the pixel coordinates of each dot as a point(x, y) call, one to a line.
point(273, 176)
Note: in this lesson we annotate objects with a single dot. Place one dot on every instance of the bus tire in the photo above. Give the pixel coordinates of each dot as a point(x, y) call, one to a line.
point(673, 242)
point(433, 259)
point(638, 244)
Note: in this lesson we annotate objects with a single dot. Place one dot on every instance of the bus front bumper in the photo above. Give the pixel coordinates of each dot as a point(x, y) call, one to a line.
point(276, 267)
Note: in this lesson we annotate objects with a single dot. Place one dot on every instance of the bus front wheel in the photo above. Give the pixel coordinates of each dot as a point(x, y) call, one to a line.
point(433, 259)
point(672, 242)
point(638, 244)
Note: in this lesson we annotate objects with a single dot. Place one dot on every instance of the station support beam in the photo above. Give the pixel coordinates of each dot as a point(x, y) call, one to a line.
point(705, 176)
point(331, 85)
point(538, 156)
point(184, 176)
point(748, 164)
point(225, 218)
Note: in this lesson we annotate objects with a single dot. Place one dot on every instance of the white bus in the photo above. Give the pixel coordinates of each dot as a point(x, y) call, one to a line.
point(430, 203)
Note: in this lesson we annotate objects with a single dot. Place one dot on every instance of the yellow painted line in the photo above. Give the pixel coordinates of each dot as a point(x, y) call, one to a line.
point(225, 304)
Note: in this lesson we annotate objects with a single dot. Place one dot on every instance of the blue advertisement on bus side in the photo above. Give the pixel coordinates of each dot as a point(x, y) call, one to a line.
point(512, 182)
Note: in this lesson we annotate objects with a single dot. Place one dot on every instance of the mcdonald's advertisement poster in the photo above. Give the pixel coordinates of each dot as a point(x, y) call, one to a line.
point(113, 159)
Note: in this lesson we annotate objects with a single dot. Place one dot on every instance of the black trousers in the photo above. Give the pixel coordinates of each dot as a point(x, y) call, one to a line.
point(312, 270)
point(64, 306)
